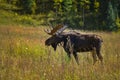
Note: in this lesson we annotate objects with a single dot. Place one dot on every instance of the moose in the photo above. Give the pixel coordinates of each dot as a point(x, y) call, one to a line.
point(74, 42)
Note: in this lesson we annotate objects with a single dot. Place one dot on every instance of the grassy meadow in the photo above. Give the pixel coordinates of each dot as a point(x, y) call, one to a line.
point(23, 56)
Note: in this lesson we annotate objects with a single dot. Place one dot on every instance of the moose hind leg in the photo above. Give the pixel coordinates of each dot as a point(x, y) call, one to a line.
point(99, 55)
point(94, 57)
point(76, 57)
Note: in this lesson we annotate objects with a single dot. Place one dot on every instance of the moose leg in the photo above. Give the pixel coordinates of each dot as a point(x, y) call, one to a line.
point(94, 57)
point(99, 55)
point(76, 57)
point(69, 55)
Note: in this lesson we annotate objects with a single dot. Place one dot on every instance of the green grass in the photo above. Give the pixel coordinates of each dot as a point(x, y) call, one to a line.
point(7, 17)
point(23, 56)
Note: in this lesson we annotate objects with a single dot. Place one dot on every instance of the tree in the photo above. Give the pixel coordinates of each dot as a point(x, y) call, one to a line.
point(28, 6)
point(67, 12)
point(108, 13)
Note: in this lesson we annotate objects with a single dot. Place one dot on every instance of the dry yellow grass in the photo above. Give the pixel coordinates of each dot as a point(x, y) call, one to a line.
point(23, 56)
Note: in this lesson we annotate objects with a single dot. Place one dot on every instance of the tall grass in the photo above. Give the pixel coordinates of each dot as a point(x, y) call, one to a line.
point(23, 56)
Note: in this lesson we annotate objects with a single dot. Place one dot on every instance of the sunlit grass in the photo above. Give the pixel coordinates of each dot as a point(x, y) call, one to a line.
point(13, 18)
point(23, 56)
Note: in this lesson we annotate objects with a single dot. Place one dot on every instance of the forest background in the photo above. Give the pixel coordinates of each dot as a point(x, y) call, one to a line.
point(80, 14)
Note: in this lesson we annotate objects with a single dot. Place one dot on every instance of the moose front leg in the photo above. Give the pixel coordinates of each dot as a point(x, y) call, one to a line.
point(76, 57)
point(69, 55)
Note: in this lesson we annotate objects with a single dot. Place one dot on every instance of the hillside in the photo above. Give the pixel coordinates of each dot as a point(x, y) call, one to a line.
point(8, 17)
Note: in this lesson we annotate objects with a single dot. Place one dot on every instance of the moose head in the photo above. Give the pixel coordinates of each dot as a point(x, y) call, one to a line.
point(56, 36)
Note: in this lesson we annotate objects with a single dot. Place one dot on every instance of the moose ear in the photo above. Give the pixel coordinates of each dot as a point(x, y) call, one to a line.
point(54, 46)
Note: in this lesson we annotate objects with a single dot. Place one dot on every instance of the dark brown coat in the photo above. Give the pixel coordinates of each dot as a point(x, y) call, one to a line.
point(74, 42)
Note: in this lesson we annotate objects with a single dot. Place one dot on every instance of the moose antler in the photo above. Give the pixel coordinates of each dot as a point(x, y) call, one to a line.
point(56, 30)
point(61, 29)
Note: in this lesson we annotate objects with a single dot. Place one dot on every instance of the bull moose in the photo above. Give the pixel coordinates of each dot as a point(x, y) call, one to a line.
point(74, 42)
